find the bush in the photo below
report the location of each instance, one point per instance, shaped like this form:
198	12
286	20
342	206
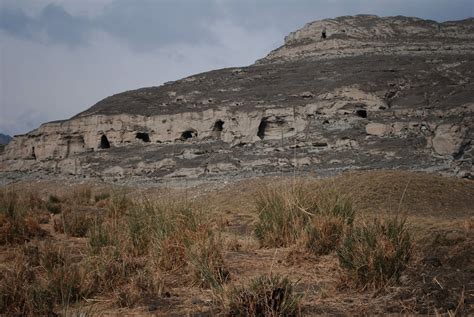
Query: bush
288	214
376	253
267	295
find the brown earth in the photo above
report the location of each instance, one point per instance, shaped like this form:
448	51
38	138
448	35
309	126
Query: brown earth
438	280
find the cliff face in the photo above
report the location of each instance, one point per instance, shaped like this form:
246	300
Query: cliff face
369	93
371	35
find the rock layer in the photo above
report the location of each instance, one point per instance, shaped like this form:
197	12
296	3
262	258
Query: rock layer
374	93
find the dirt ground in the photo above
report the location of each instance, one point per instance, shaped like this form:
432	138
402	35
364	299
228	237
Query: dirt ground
439	278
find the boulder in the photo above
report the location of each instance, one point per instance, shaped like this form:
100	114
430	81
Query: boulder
377	129
448	139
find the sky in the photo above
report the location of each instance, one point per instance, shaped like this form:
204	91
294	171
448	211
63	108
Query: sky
59	57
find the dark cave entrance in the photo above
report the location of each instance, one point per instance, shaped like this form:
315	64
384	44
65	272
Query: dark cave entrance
261	128
217	128
104	142
361	113
143	136
323	34
33	154
188	134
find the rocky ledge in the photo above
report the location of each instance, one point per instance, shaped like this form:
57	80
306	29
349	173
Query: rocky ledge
357	92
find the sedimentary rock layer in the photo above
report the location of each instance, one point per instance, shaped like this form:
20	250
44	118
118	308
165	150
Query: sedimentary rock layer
369	93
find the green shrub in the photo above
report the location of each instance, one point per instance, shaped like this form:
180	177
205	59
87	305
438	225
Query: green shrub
376	253
267	295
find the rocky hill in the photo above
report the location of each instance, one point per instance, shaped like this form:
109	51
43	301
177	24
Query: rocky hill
359	92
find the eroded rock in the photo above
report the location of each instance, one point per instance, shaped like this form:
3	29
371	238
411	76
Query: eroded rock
448	139
375	93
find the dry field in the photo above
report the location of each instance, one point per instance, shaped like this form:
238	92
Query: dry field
360	243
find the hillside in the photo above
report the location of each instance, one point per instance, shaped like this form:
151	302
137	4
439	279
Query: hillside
371	93
332	177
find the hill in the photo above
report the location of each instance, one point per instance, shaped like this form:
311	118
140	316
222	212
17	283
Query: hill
360	92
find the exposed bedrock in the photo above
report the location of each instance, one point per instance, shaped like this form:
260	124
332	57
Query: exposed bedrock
372	93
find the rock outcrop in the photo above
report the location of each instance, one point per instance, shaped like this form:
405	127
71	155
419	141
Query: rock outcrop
371	93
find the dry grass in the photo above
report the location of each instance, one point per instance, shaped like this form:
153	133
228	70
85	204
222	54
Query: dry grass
324	234
283	214
266	295
376	253
18	223
302	213
200	255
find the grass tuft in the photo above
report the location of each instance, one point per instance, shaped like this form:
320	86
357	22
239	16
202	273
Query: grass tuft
208	265
74	223
288	215
376	253
267	295
324	234
17	221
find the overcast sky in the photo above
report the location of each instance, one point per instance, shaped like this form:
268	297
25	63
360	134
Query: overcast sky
59	57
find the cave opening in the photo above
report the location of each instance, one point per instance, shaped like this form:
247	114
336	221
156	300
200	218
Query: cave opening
143	136
361	113
218	126
217	129
188	134
33	154
261	128
104	142
323	34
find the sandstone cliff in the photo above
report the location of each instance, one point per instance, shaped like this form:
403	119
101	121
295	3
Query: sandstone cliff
357	92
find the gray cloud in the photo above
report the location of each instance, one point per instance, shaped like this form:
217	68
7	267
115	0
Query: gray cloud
52	25
59	57
148	24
